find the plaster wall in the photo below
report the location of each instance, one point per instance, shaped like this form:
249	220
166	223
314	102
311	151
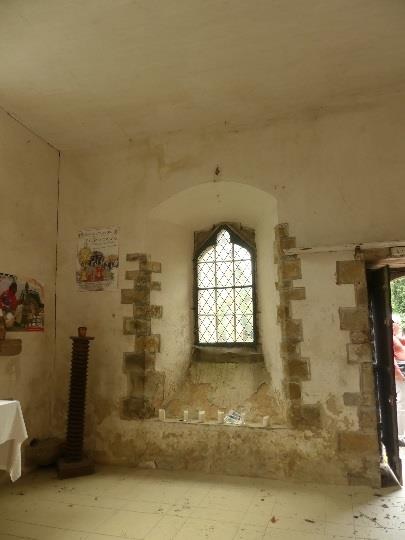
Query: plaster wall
29	179
333	177
324	343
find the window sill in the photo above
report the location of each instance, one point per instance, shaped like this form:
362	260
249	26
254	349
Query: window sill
227	355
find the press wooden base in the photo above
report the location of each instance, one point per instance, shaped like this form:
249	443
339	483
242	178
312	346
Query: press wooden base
70	469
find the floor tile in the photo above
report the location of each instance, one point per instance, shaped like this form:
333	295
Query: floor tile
217	514
250	532
196	529
129	524
120	502
38	532
166	528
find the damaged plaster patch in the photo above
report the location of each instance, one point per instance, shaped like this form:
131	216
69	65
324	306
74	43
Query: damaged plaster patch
213	386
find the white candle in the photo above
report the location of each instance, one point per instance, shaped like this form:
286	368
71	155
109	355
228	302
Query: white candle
265	421
221	415
185	416
162	415
201	416
243	417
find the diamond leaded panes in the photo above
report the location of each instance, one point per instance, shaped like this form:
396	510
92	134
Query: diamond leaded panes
225	293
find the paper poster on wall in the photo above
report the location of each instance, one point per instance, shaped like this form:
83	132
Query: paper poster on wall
22	303
97	259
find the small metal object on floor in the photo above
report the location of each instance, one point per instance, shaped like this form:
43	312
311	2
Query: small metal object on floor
74	462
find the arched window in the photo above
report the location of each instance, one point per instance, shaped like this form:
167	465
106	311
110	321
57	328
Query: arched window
225	294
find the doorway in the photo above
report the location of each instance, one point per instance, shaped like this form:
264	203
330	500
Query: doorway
390	390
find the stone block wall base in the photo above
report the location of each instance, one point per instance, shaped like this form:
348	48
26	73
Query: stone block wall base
306	416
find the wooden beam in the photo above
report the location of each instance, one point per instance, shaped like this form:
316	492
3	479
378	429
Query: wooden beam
345	247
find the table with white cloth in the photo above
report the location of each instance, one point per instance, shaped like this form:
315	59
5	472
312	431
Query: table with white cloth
12	434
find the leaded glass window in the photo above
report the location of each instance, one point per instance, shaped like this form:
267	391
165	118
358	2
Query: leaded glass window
225	298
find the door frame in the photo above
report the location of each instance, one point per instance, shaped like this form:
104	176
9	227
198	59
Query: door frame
380	311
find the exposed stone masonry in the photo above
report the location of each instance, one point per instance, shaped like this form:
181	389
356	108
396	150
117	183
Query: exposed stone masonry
296	368
362	444
145	384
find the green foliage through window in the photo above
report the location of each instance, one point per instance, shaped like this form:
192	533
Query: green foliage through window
398	298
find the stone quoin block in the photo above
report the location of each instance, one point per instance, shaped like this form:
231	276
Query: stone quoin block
289	349
148	312
376	254
359	337
155	267
129	326
288	242
142	296
154	386
142	257
284	293
156	312
367	418
141	312
294	390
368	399
357	442
350	272
150	361
359	353
367	383
283	312
136	383
297	293
143	283
361	294
142	327
298	369
149	344
152	343
135	362
354	318
127	296
290	269
281	231
131	275
306	416
293	330
132	296
351	399
311	416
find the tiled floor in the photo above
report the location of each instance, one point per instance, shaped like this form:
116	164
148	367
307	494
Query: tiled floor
157	505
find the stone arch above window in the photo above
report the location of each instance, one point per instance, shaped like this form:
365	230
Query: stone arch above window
224	287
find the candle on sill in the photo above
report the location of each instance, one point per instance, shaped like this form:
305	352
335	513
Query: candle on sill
221	415
265	422
201	416
243	418
185	416
162	415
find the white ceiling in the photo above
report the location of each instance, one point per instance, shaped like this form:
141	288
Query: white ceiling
84	73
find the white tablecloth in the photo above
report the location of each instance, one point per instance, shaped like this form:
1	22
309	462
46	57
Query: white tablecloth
12	434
